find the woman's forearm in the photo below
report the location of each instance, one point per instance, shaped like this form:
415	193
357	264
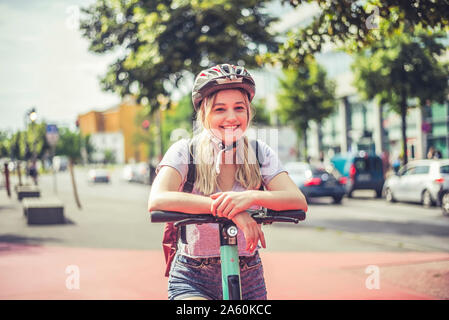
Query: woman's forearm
280	200
180	202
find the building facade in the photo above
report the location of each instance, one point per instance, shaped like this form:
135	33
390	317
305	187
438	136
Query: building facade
356	124
113	132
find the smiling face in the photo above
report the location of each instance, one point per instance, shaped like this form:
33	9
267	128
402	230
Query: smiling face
229	115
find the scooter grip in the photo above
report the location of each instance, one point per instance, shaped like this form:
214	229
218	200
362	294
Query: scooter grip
168	216
297	214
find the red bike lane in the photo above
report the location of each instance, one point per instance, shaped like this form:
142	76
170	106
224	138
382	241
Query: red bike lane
51	272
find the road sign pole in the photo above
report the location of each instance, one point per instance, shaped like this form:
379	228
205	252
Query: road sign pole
52	139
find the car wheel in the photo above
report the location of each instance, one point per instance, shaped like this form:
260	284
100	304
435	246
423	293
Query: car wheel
445	204
389	195
337	199
427	199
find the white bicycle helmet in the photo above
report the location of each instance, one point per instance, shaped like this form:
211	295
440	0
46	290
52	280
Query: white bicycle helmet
219	77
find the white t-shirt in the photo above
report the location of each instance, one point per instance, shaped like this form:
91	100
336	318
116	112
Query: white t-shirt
203	240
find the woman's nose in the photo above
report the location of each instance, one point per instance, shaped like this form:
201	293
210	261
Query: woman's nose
230	115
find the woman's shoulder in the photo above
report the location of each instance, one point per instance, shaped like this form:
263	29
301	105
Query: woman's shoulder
181	146
178	152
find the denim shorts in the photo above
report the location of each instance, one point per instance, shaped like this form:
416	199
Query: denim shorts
201	277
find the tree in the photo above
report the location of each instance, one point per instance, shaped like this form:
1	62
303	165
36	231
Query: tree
35	141
17	153
355	25
401	68
109	156
69	144
305	94
163	41
177	117
4	144
262	116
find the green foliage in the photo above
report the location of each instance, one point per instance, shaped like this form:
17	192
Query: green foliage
305	94
353	25
178	116
15	146
163	41
262	116
4	144
70	144
88	147
25	145
404	65
35	141
109	157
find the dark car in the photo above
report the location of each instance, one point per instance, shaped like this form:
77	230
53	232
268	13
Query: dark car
363	172
315	181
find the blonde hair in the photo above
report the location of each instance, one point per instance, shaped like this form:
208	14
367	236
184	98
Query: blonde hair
248	171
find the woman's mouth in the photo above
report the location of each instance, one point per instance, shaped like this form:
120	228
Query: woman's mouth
233	127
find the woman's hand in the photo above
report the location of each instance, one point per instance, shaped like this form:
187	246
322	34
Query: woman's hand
252	231
228	204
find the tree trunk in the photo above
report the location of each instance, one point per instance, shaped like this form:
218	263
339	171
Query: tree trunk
304	136
75	191
19	175
404	128
7	184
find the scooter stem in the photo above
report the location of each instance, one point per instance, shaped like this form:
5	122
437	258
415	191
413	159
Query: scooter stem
230	268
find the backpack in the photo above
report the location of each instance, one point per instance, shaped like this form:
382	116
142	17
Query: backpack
173	234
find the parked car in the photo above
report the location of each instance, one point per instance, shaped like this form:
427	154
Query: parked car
98	175
443	195
315	181
128	173
138	172
419	181
142	173
60	163
362	172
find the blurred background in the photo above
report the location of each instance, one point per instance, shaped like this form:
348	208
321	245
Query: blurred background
353	96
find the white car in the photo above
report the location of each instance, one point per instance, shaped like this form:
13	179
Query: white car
128	173
98	175
419	181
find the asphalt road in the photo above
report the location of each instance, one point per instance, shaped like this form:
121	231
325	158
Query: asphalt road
115	215
119	253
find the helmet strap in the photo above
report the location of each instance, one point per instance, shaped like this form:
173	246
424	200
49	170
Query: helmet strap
221	147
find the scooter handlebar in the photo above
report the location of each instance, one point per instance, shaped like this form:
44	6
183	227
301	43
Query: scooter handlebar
271	216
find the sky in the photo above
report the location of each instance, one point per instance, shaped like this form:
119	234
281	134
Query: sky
45	63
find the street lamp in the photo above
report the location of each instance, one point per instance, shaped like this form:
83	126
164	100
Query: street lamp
32	115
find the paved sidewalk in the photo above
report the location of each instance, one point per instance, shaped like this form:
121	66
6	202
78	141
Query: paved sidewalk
41	272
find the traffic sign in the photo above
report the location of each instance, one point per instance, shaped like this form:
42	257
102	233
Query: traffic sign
52	134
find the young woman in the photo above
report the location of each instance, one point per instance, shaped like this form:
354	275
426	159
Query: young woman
228	179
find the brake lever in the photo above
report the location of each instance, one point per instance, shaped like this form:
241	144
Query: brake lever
285	219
